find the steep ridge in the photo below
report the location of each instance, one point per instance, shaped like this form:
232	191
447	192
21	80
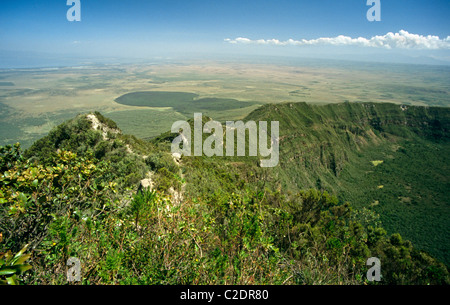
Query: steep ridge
332	147
322	139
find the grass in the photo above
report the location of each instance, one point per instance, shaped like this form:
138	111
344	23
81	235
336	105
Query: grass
183	102
145	123
156	98
376	162
50	93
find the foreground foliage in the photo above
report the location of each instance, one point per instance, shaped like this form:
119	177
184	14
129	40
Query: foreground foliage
13	265
69	208
75	194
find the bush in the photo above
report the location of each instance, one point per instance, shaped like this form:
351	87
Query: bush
33	194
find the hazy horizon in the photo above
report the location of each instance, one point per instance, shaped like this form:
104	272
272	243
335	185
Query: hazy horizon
35	34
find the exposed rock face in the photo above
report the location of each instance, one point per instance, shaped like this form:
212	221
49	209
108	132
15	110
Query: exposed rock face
97	125
177	158
147	182
177	197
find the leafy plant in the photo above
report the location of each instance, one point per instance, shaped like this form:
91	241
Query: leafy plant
12	266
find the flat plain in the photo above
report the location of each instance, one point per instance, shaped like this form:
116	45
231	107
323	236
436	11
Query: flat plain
32	101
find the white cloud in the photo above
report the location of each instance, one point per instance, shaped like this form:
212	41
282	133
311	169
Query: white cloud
402	40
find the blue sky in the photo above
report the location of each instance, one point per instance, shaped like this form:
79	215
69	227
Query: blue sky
157	28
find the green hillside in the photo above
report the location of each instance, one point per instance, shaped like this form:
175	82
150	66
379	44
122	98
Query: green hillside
351	177
332	148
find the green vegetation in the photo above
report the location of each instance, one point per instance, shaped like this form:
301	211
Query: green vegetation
311	220
413	200
377	162
427	94
185	103
156	99
146	123
220	238
11	266
332	148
